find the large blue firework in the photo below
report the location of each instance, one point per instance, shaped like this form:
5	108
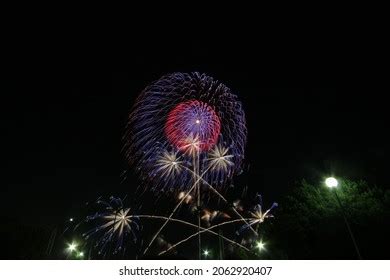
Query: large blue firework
183	121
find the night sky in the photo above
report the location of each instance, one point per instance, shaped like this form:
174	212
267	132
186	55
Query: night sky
64	114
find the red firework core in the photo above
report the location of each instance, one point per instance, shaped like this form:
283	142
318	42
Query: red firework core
192	124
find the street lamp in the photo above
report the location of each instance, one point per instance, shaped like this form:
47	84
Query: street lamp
332	183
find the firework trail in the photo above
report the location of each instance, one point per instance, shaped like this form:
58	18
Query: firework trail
184	197
208	230
257	217
224	200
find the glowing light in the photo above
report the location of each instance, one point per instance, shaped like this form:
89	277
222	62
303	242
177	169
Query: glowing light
197	121
188	198
81	254
72	247
71	220
260	245
331	182
206	253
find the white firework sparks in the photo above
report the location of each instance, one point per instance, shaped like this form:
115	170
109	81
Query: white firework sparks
118	222
219	158
112	227
259	216
169	164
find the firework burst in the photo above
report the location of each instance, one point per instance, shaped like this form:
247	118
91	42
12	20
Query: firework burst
189	116
169	164
113	227
257	215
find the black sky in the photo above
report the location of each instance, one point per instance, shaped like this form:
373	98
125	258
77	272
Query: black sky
64	113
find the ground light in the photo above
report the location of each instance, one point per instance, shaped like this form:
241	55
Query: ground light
72	247
260	245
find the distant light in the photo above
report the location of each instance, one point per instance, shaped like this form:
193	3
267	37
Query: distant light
72	247
197	121
206	253
260	245
331	182
81	254
71	220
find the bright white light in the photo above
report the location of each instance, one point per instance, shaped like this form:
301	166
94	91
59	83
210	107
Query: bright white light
260	245
71	220
81	254
197	121
72	247
206	253
331	182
